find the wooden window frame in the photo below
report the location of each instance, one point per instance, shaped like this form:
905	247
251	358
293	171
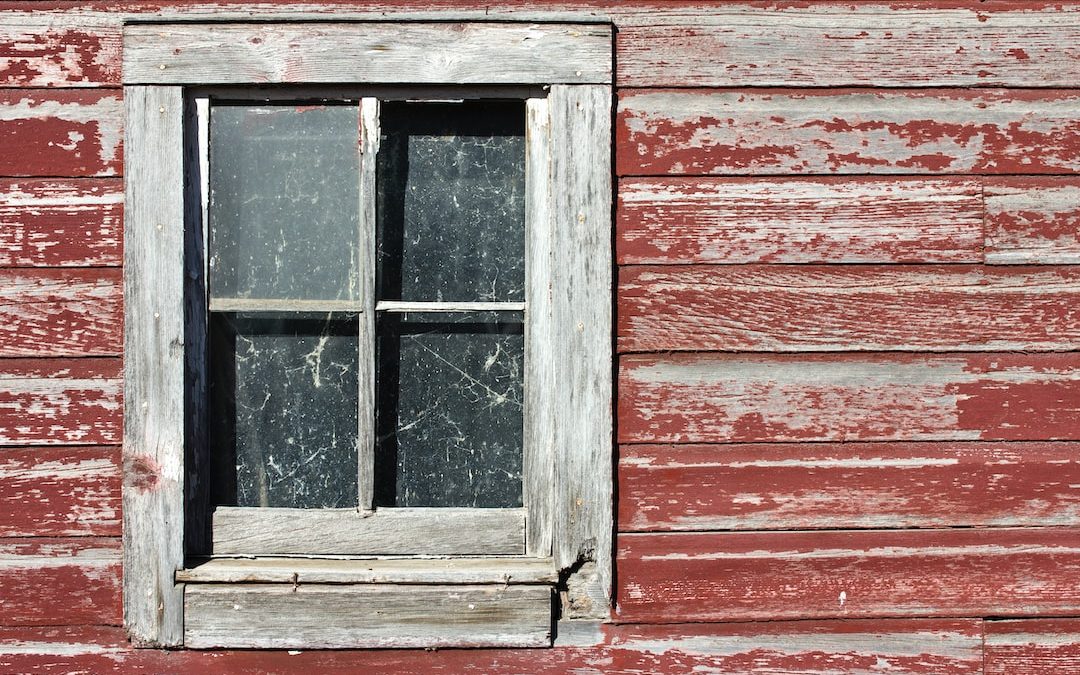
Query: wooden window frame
368	595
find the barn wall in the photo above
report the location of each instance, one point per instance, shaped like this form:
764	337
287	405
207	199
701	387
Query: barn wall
848	377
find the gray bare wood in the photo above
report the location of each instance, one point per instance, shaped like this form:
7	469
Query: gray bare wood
365	400
538	461
373	571
400	306
285	616
276	305
417	53
153	491
387	531
581	288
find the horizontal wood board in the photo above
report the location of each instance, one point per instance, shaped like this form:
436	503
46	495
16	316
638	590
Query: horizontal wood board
793	486
1032	646
59	312
60	401
373	571
61	223
58	582
1032	220
61	133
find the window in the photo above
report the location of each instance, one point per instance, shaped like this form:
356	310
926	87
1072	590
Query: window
368	333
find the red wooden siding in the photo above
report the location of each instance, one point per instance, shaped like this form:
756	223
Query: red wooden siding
42	50
60	582
1033	220
1032	647
60	133
61	312
60	401
61	222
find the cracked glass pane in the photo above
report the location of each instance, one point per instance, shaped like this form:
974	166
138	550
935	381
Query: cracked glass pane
284	201
451	201
283	406
449	419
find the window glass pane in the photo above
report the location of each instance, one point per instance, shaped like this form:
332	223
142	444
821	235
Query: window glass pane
449	421
451	201
283	409
284	201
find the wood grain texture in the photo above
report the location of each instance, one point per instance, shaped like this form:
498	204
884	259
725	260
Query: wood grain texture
868	44
154	375
57	582
60	223
56	492
1032	646
718	131
390	531
801	308
1033	221
60	401
869	573
764	486
335	616
58	50
60	133
836	397
57	312
676	221
415	53
373	571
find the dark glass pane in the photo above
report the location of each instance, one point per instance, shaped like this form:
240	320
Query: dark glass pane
284	202
451	202
283	409
449	421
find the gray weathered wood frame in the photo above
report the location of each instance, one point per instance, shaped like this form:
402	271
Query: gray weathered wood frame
568	460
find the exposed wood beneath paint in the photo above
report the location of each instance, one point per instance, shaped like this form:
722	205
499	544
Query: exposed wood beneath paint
315	616
836	397
723	131
60	401
59	49
835	574
794	308
792	486
1032	646
1033	221
60	133
373	571
392	531
60	223
56	492
682	221
57	312
414	53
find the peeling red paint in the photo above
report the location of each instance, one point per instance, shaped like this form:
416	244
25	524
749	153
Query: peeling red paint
142	473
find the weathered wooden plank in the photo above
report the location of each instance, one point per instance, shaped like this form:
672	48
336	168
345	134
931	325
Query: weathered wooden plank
59	50
59	312
832	44
803	308
1032	221
866	573
154	375
701	132
851	220
909	647
60	133
391	531
312	616
60	223
59	401
1032	646
580	287
373	571
57	582
719	398
56	492
416	53
792	486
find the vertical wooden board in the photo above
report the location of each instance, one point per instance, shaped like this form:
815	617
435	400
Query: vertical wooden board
60	401
688	577
835	397
56	492
56	312
720	131
60	133
56	582
833	44
848	308
581	287
1032	221
792	486
60	223
675	221
1032	647
57	49
154	377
